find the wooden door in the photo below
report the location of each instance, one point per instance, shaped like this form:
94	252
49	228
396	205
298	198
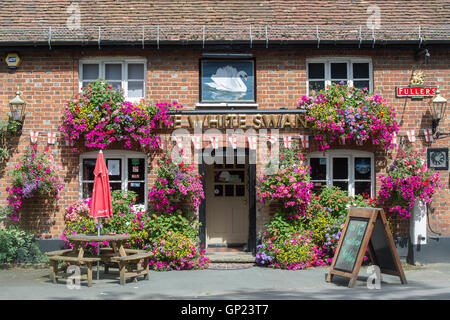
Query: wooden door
227	209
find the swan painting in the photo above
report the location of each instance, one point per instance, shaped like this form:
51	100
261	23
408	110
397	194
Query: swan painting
227	81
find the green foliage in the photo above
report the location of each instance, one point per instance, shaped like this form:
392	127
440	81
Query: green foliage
177	251
18	246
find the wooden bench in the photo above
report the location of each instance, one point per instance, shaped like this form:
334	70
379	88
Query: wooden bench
129	265
55	272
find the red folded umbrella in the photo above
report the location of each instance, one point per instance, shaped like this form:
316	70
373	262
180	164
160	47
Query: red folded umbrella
101	205
101	196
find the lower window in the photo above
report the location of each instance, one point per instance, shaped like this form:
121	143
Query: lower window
126	171
351	171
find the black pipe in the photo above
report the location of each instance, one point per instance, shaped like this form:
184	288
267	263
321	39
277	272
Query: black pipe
237	111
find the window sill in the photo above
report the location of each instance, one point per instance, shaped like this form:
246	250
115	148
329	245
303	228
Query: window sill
226	105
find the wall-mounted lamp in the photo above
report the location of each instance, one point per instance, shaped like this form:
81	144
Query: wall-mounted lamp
438	106
17	106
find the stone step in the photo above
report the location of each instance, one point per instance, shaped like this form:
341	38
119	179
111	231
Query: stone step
231	257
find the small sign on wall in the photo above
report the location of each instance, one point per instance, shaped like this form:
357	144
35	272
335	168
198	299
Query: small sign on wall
416	92
437	158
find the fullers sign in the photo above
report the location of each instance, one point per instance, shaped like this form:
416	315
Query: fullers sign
415	91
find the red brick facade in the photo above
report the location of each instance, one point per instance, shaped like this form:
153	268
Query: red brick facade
49	78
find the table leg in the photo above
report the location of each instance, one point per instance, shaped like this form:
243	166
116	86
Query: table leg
53	270
147	269
89	273
122	273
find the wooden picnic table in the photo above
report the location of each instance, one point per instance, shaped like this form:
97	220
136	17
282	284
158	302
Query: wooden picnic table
127	259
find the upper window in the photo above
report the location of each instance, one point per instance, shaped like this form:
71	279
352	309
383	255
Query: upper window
128	75
354	72
350	170
231	80
126	171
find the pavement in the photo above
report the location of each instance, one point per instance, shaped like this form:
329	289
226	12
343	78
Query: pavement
251	283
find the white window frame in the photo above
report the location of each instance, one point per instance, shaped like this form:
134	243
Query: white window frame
116	154
351	155
349	60
122	61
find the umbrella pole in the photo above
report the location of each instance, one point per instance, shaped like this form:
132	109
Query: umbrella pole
98	252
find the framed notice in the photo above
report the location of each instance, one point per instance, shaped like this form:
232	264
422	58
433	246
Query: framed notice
113	167
437	158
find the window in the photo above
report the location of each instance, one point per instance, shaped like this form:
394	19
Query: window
126	171
349	170
128	75
354	72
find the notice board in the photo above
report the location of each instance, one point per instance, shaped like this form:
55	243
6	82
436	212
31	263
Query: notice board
365	228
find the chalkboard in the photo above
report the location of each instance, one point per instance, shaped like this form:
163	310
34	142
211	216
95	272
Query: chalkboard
381	250
365	229
351	244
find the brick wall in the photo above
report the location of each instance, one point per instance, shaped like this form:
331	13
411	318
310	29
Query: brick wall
49	79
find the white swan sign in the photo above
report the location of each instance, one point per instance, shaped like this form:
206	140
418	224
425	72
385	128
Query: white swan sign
227	81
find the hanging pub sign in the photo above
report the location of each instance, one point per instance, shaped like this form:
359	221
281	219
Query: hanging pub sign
365	228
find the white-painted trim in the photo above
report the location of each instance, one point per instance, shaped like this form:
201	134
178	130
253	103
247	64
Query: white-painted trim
351	154
124	61
124	155
225	104
327	60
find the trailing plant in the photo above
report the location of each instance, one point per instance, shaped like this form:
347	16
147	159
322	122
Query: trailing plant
342	113
35	175
407	180
177	187
101	116
290	185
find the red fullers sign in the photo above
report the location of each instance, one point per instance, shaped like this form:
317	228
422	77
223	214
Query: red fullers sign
415	91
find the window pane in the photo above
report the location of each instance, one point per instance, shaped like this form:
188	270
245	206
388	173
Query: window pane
87	189
138	187
316	85
113	186
240	190
339	71
85	84
113	72
362	169
90	71
114	169
317	186
318	168
341	184
340	168
116	85
218	190
316	70
88	169
136	169
362	188
229	190
136	71
360	71
361	84
135	89
339	81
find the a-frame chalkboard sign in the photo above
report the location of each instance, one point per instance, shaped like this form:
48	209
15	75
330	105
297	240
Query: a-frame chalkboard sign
365	228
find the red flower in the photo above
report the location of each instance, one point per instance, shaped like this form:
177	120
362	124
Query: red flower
110	131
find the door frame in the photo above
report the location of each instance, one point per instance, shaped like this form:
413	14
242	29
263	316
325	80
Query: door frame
251	154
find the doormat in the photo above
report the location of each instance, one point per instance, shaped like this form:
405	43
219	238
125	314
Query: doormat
230	266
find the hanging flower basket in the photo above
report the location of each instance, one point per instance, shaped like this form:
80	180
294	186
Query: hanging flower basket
341	113
101	116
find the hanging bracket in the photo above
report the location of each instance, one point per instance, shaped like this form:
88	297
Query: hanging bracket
420	37
317	36
99	37
267	38
49	37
